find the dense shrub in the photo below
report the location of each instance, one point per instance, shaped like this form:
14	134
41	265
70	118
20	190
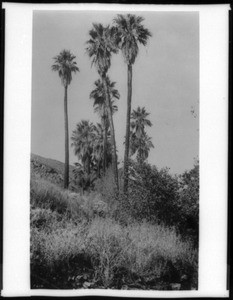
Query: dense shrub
189	202
55	254
139	255
153	194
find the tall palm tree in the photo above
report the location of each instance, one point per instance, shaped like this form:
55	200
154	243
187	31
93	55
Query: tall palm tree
100	47
130	33
100	107
65	65
82	140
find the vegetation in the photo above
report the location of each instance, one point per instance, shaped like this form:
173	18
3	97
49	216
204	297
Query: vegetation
130	33
100	107
100	48
64	64
92	242
140	142
134	227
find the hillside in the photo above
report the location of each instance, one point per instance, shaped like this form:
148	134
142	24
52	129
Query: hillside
50	169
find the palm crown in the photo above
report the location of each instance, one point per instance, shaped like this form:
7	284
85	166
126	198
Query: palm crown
82	140
64	64
101	46
130	32
139	121
98	95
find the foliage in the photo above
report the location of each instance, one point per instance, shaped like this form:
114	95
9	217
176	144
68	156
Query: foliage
104	254
140	142
100	48
130	32
64	64
152	194
189	201
82	140
98	95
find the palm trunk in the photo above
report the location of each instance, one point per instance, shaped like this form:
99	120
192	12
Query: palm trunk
111	125
105	147
66	171
126	158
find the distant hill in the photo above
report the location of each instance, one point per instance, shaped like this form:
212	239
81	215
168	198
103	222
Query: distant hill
50	169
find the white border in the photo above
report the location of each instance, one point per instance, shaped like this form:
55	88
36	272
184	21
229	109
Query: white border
213	149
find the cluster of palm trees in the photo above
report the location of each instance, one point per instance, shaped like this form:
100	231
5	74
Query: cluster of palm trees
125	34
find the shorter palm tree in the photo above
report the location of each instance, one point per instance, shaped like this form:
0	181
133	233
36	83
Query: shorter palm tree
100	48
82	140
141	146
140	142
139	121
100	107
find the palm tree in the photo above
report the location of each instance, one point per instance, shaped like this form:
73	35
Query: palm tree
98	148
98	95
130	33
100	48
82	140
140	142
139	121
64	64
141	146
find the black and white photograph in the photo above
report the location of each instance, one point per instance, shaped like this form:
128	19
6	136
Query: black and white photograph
114	188
115	150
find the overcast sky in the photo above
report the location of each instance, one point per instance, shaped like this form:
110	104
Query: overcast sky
165	81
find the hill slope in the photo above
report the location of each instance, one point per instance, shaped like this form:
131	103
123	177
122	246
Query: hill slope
50	169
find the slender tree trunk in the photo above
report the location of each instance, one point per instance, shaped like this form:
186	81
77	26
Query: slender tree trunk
66	171
105	146
126	158
111	125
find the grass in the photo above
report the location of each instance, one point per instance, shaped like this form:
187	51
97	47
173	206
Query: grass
76	243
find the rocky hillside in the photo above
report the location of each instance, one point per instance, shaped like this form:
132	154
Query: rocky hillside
50	169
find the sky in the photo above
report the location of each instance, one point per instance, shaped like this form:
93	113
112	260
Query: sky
165	82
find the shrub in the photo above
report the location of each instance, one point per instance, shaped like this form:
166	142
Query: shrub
56	255
153	194
138	255
106	186
189	202
45	219
138	252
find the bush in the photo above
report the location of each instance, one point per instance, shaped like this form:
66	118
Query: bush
55	255
153	194
189	202
111	256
